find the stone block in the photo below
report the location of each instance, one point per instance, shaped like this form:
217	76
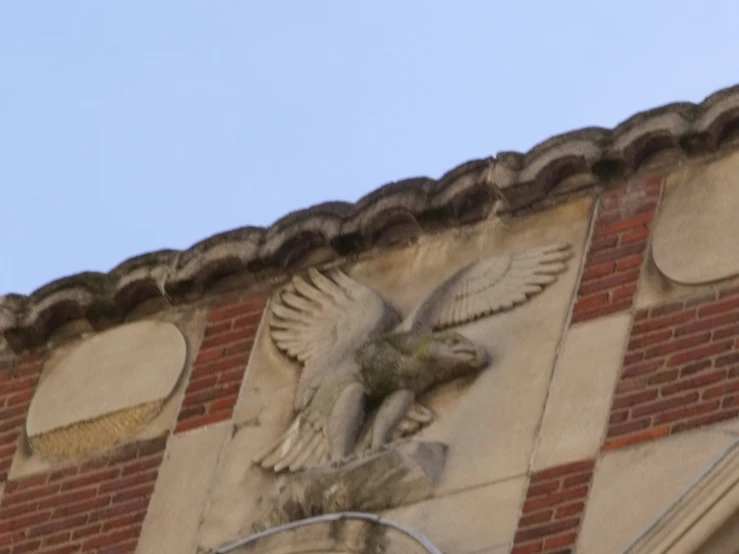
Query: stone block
181	492
472	521
633	487
579	401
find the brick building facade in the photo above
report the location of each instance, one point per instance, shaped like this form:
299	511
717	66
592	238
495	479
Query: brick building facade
606	422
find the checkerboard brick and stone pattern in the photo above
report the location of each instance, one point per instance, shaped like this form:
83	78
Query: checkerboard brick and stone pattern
553	509
18	379
617	250
96	507
681	369
219	367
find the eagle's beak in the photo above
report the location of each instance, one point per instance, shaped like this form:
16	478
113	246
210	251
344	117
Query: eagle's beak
471	353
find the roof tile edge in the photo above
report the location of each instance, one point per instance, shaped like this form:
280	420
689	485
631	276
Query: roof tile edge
510	182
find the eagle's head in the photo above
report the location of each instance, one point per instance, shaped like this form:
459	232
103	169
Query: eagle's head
417	361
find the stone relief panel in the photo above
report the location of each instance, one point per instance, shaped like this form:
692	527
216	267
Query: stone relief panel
420	372
694	242
108	389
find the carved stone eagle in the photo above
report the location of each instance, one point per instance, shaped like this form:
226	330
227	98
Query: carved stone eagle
357	353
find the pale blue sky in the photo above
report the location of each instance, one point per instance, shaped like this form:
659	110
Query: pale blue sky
127	127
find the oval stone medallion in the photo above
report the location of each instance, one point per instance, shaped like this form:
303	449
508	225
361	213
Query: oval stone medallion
106	389
697	235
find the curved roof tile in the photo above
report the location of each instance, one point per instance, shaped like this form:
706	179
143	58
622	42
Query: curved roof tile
397	211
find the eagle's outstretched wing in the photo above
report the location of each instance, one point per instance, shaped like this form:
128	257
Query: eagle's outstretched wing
488	286
321	322
317	321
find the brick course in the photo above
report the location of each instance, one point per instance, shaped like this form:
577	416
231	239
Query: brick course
553	509
219	367
95	507
18	379
616	252
681	369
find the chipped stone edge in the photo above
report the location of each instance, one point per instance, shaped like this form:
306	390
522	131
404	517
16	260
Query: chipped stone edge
510	183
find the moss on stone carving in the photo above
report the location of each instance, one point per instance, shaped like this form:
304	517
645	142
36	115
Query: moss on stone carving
375	541
102	307
415	361
396	475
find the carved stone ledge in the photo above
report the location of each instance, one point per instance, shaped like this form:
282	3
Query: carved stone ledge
400	474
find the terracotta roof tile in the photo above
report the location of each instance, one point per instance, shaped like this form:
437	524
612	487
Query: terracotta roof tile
509	182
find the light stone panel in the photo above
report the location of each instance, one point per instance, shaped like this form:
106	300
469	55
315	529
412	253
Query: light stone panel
502	549
633	487
128	370
731	426
479	520
579	402
695	238
181	492
655	289
238	494
654	286
489	422
724	541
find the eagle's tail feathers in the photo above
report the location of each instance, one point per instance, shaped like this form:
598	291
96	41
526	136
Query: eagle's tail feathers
300	446
281	447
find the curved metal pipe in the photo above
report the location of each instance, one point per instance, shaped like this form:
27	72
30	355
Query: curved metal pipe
419	537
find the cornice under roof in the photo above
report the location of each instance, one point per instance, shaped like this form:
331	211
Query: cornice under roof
509	183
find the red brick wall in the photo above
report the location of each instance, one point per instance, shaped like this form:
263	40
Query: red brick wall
219	367
18	379
681	369
553	509
99	506
96	507
616	252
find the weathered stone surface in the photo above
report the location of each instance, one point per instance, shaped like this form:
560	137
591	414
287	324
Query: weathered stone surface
181	492
654	288
577	410
640	483
695	236
241	491
400	474
343	534
701	516
731	427
506	399
477	520
504	403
